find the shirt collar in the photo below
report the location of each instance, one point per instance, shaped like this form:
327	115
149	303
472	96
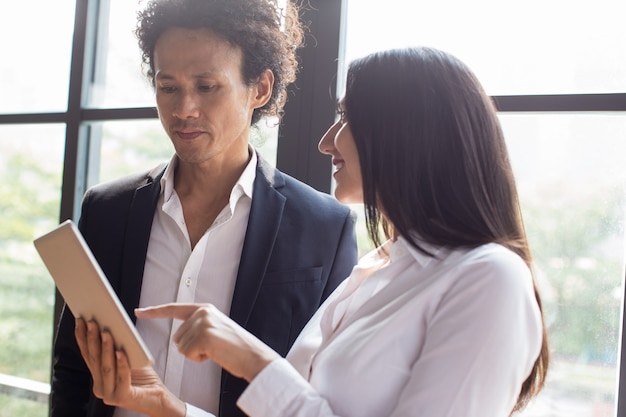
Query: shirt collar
167	180
243	186
245	183
402	247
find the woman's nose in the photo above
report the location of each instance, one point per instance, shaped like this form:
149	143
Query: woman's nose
327	143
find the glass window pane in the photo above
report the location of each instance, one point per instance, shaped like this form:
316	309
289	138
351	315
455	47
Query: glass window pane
131	146
31	170
36	45
264	137
572	182
119	78
515	48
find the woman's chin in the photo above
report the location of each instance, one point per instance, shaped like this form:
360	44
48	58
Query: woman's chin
348	198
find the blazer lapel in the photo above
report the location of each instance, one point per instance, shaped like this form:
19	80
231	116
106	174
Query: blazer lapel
136	241
265	216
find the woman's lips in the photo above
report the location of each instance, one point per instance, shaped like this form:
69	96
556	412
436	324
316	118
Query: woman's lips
338	163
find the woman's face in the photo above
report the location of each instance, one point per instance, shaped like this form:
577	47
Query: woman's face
338	142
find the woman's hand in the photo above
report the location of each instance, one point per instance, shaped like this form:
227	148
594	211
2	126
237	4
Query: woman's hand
207	333
115	383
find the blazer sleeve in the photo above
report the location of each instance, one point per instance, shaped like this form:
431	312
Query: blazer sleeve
104	213
71	380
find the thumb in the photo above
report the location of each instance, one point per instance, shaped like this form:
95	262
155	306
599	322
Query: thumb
167	311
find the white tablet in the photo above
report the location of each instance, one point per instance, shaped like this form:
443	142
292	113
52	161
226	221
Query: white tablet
87	291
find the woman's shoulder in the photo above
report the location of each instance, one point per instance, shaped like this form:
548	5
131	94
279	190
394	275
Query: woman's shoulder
494	267
496	257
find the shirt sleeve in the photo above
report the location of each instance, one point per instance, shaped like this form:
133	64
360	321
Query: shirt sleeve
279	390
196	412
483	339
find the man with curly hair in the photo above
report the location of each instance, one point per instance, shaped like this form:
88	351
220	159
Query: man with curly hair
217	224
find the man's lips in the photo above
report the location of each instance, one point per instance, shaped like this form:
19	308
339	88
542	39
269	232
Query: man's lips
188	134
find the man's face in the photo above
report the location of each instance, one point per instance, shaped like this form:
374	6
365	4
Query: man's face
203	103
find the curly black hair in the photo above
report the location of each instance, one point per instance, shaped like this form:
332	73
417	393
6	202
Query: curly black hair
267	34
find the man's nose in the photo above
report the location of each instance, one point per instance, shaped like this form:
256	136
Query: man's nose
187	106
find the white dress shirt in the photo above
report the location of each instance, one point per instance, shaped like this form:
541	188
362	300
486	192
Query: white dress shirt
176	273
453	335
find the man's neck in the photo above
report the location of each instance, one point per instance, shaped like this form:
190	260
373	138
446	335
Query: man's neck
204	192
210	178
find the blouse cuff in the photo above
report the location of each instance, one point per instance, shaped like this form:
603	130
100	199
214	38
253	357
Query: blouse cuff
193	411
272	390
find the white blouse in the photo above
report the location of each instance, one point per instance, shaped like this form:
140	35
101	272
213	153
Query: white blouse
453	335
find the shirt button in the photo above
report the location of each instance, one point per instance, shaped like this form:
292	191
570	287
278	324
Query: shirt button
188	282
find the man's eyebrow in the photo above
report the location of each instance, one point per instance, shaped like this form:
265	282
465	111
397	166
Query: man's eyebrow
214	75
166	76
161	75
205	74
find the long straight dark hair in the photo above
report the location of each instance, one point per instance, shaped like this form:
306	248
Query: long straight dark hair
434	161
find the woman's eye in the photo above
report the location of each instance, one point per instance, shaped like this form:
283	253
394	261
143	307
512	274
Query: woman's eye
341	112
206	88
342	117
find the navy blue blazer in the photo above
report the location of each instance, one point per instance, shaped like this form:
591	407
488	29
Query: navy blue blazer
299	245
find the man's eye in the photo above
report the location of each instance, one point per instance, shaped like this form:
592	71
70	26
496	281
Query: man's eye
167	89
206	88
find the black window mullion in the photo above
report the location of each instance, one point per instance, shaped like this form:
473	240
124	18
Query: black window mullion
310	108
76	135
562	103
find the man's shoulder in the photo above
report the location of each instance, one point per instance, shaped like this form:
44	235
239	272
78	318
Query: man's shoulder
127	183
303	195
295	185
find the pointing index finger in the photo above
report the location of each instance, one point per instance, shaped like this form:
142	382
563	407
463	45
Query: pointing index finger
165	311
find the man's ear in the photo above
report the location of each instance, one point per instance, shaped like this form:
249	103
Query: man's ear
263	88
